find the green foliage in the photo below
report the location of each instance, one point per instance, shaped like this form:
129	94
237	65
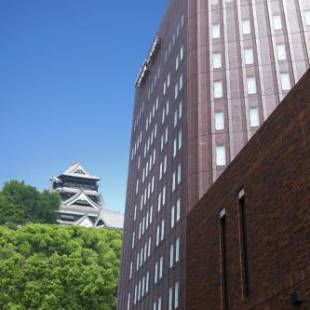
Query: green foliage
21	203
51	267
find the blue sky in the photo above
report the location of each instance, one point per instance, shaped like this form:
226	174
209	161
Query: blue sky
67	73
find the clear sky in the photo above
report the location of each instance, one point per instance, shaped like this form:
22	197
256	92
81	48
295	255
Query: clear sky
67	73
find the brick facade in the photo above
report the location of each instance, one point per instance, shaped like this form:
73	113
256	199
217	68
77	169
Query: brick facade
274	171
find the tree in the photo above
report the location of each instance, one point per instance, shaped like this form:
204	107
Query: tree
21	203
56	267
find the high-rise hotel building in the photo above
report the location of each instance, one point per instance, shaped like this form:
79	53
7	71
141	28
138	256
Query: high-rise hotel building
215	71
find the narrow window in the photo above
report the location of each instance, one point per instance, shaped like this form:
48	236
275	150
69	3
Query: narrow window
179	176
248	56
181	82
177	250
178	210
128	302
216	31
281	52
156	273
217	60
172	216
161	263
171	257
251	85
219	120
218	89
220	155
223	258
170	298
307	17
176	295
159	303
277	23
285	81
254	118
246	26
181	52
244	244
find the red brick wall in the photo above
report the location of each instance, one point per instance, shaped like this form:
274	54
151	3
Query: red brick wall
274	169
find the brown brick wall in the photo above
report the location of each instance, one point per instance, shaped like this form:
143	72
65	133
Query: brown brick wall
274	169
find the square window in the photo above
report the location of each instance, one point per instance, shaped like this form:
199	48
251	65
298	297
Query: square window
216	31
251	85
218	89
217	60
220	155
277	22
246	26
248	56
219	120
307	17
254	117
281	52
285	81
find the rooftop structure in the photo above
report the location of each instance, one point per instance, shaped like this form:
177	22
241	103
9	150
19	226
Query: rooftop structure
81	202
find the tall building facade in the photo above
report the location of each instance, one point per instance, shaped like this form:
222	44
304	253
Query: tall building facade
81	202
215	72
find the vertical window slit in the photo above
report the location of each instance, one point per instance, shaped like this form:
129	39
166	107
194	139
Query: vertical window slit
244	244
224	259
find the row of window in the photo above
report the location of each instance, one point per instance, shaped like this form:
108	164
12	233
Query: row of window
143	255
276	24
219	119
141	288
248	56
251	85
175	35
145	251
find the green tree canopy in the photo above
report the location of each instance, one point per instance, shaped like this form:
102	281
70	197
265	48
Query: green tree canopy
52	267
21	203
